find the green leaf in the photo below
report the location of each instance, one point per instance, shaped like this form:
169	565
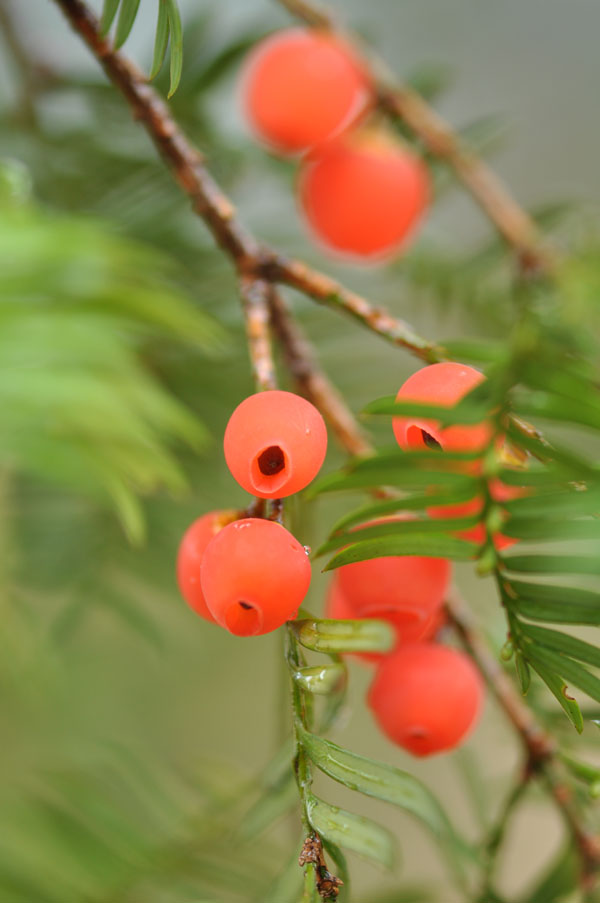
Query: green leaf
558	688
563	643
436	545
127	14
415	478
109	10
568	669
568	503
564	410
565	459
384	782
467	412
162	38
176	45
553	564
354	832
413	528
344	636
320	679
419	502
563	605
536	528
523	672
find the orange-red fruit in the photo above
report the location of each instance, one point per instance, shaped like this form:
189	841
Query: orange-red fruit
408	629
444	385
189	558
426	698
302	86
363	194
275	443
403	589
254	576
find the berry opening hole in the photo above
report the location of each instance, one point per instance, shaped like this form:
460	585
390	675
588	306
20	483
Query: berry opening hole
270	471
271	461
418	438
243	619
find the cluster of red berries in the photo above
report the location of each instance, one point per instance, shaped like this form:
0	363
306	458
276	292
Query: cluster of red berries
362	192
249	574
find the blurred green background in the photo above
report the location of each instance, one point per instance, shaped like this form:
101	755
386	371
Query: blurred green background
134	736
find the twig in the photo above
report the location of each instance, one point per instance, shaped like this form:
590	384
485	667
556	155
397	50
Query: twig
400	101
325	290
539	746
254	294
312	381
246	253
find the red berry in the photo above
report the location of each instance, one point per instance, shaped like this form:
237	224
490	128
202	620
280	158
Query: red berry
444	385
426	698
275	443
301	86
363	194
254	576
191	550
408	629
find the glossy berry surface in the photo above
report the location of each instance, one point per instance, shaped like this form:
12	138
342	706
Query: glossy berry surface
275	443
408	629
445	385
426	698
363	195
302	86
405	590
254	576
190	554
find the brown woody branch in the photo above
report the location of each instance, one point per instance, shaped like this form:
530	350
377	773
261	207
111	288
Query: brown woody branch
255	302
539	745
399	101
311	380
187	164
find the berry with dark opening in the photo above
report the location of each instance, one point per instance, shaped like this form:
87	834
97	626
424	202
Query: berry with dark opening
444	385
190	554
275	443
426	698
363	194
300	87
254	576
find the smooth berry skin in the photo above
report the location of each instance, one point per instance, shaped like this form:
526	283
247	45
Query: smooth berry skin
275	443
363	195
300	87
445	385
190	554
426	698
407	629
254	576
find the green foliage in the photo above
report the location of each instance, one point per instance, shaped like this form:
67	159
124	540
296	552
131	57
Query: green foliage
168	27
79	408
